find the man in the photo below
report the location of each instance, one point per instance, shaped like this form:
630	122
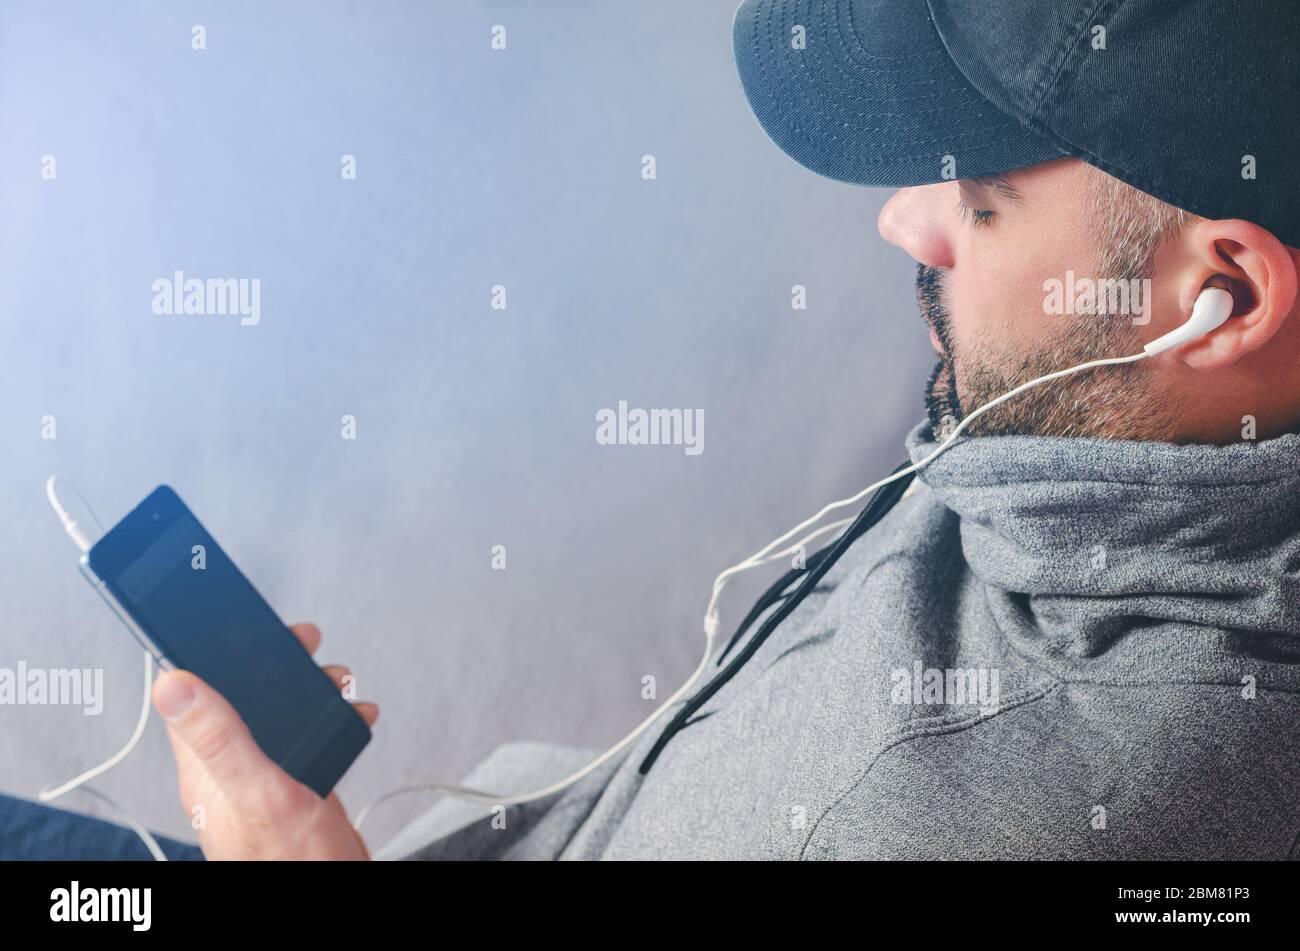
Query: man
1079	636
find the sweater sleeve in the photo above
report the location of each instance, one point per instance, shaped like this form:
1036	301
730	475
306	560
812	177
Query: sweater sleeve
457	829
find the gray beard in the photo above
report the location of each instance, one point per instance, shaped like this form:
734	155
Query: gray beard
1115	402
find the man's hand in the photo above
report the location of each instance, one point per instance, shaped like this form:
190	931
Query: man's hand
251	808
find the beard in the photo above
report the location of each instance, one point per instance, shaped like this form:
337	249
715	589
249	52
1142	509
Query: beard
1114	402
942	405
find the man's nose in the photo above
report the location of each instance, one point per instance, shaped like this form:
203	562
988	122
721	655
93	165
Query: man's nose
919	220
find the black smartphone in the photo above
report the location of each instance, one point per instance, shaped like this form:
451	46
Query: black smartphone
188	604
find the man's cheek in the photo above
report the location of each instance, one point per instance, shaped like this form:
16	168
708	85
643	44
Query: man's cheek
964	317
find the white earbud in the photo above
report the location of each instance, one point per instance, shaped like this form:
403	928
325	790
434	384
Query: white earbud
1213	306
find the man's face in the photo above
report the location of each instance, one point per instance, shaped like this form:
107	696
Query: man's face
986	248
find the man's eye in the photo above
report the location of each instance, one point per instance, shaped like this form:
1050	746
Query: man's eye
976	216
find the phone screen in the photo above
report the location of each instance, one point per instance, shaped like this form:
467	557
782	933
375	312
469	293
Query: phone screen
170	575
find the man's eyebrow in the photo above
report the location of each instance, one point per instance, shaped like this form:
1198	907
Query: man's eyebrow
999	184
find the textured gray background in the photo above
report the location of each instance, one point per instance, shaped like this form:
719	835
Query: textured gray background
476	427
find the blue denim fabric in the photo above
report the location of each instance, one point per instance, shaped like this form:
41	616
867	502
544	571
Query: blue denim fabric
32	831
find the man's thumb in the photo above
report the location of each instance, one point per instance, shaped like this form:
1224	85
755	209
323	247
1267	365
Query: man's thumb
208	725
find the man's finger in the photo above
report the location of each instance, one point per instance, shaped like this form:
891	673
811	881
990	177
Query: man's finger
309	634
369	711
336	673
186	767
202	720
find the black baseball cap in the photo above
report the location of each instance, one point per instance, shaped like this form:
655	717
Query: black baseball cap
1192	101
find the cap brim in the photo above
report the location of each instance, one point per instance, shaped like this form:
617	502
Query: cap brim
871	96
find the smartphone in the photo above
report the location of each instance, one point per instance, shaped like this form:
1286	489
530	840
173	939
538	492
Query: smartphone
185	601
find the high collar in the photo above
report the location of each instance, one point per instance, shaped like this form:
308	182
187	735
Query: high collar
1135	550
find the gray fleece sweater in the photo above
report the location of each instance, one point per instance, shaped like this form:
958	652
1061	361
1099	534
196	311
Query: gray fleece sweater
1055	648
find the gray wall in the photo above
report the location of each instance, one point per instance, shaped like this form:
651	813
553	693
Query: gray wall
476	427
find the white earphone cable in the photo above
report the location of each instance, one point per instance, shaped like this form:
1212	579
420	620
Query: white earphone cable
762	556
1218	306
50	793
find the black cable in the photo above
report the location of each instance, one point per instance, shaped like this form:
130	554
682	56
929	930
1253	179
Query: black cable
771	596
882	500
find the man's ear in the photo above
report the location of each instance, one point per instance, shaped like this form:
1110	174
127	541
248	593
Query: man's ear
1262	273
